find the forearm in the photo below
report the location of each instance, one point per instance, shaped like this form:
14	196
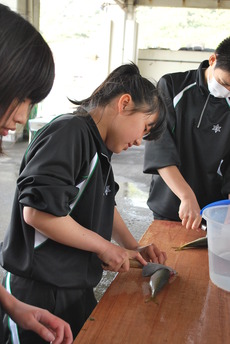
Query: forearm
7	300
121	233
65	230
189	210
176	182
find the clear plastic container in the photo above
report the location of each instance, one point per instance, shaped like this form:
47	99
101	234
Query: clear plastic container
218	233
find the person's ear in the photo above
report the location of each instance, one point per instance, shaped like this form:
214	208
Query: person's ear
123	102
212	60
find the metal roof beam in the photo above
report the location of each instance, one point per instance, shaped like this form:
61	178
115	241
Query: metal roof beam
220	4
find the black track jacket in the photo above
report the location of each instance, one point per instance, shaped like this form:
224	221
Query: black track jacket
66	170
197	141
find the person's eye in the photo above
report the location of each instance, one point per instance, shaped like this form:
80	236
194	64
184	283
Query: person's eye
222	83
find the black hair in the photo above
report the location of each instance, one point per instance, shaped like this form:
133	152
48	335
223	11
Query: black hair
145	95
26	61
222	53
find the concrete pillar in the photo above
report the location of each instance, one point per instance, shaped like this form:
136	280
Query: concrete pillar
30	10
123	35
130	33
130	50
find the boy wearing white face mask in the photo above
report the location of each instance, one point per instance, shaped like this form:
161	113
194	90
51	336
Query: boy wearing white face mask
190	164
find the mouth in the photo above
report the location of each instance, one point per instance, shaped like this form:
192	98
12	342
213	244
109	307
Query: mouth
5	131
128	145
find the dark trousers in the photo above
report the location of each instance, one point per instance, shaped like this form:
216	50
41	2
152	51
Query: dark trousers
71	304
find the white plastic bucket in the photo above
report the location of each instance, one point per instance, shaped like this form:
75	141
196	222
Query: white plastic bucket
218	233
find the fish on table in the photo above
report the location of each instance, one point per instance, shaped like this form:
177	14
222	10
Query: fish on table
160	275
198	243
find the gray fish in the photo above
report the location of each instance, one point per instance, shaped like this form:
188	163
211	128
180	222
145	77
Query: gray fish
151	268
198	243
158	281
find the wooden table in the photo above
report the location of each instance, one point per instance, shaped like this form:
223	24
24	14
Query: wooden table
190	310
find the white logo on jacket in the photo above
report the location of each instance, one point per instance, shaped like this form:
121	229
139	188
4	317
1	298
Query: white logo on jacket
216	128
107	190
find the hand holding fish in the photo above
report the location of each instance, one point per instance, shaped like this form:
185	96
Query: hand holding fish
116	258
152	254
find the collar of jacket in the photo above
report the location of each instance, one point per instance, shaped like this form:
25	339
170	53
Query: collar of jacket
200	79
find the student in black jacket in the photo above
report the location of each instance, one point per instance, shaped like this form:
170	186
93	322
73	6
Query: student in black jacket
190	164
64	214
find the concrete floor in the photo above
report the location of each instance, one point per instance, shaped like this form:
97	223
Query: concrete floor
131	198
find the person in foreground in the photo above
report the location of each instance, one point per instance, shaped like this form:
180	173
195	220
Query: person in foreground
46	325
26	77
64	214
190	164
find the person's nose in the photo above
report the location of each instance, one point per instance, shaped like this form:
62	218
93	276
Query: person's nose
21	117
138	142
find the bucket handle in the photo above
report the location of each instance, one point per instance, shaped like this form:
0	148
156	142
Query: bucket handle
222	202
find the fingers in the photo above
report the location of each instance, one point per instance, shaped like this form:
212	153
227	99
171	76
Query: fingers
153	254
121	267
163	257
124	267
189	213
52	328
121	263
117	264
63	335
124	264
192	222
136	255
157	256
42	331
